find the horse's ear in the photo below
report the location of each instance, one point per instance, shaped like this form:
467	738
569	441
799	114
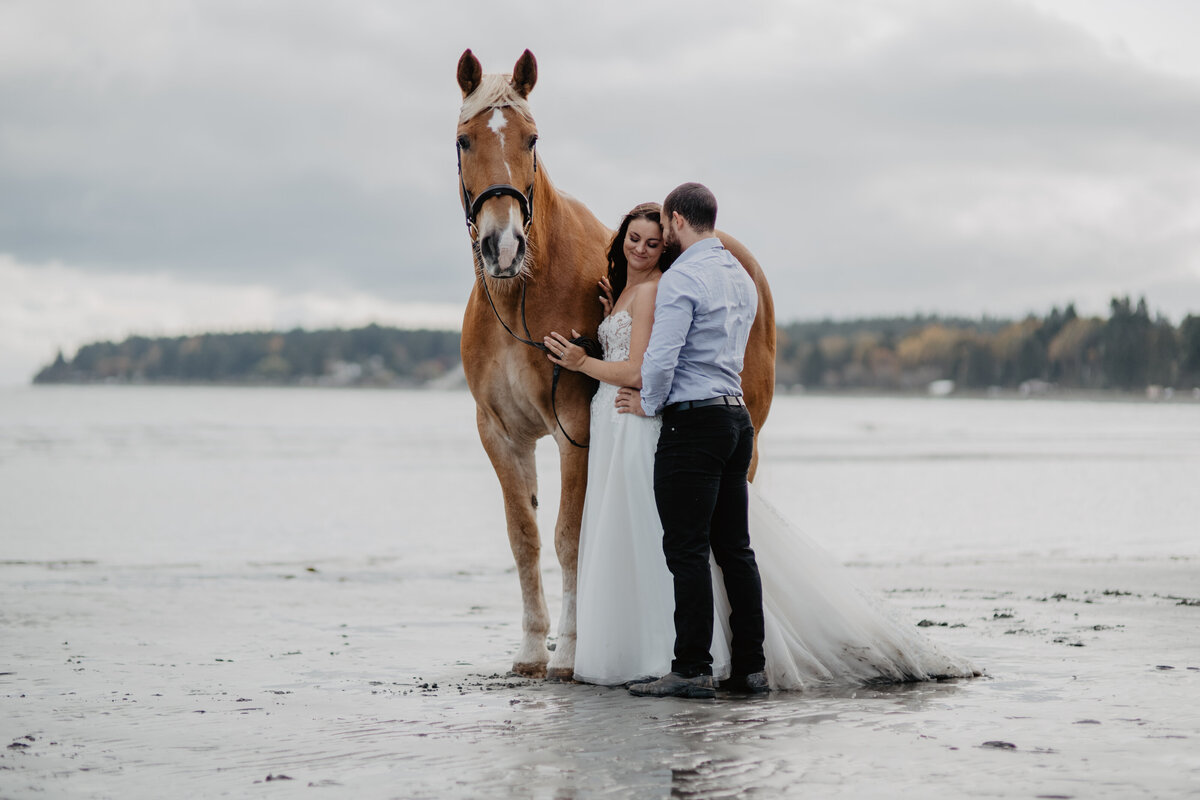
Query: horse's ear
470	73
525	74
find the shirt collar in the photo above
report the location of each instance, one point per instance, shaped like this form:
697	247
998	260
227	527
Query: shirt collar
711	243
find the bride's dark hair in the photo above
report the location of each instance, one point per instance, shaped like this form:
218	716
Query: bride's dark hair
618	265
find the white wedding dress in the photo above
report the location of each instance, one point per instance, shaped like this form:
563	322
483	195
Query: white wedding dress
820	627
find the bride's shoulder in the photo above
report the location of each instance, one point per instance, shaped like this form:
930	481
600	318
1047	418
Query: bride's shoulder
641	306
645	292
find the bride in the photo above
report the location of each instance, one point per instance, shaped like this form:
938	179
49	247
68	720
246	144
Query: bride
820	628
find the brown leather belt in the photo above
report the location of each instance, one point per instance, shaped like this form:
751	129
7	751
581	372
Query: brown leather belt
723	400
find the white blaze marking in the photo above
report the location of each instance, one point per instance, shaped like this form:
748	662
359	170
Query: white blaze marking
496	124
507	248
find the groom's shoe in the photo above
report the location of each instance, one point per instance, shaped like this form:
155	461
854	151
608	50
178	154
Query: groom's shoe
675	685
754	683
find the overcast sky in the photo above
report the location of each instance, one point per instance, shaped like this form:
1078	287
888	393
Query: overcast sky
187	165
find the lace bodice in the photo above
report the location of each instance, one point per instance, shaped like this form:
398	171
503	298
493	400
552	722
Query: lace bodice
616	331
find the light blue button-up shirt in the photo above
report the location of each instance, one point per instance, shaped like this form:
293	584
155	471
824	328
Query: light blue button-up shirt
703	311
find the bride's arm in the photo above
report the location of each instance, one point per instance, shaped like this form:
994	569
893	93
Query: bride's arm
618	373
642	311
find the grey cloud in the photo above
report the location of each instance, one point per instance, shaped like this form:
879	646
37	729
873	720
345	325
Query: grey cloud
878	157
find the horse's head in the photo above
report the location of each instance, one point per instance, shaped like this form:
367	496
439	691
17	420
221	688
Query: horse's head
497	162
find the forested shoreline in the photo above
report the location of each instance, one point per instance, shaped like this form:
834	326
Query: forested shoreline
1129	350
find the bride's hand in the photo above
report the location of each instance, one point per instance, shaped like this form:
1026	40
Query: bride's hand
563	353
606	299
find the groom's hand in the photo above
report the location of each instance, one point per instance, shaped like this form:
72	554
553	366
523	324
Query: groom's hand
629	401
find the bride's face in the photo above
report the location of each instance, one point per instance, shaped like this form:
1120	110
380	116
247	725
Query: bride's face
643	245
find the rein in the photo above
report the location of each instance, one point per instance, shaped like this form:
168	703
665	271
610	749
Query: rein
590	346
525	200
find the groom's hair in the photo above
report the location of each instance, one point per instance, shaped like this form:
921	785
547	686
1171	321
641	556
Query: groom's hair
695	203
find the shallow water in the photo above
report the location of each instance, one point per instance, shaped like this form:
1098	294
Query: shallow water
147	475
204	587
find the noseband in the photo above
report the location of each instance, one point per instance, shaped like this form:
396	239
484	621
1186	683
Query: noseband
471	207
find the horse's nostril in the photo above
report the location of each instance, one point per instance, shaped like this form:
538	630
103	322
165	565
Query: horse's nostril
488	247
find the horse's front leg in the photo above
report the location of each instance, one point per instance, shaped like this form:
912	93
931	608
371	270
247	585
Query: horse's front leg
573	462
515	467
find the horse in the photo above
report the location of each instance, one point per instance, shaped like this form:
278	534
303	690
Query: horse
538	255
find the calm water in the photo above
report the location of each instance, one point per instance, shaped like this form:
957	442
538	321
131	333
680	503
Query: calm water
196	475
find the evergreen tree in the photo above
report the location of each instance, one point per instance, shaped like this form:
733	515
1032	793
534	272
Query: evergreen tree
1189	351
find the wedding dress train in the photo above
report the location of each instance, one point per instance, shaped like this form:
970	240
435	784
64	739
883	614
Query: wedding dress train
820	627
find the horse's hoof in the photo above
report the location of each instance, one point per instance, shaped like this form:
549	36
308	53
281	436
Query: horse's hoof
560	674
530	670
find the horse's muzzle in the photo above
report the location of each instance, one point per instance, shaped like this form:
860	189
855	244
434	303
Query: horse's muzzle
502	256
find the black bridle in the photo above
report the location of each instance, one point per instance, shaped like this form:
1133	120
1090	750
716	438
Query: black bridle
525	201
471	207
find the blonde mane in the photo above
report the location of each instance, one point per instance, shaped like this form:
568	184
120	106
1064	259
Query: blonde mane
494	91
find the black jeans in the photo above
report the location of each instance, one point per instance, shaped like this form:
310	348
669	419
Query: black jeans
701	493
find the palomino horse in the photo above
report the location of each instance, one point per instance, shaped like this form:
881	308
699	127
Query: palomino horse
538	256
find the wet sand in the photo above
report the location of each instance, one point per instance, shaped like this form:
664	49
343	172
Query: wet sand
203	589
366	678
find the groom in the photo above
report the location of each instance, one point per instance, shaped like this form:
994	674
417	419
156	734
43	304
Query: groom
702	316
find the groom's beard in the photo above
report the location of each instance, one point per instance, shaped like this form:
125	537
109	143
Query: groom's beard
670	252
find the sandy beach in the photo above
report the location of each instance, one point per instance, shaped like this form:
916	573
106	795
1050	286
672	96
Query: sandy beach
345	671
347	676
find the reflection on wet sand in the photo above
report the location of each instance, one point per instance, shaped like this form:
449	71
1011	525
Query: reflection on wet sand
571	740
210	681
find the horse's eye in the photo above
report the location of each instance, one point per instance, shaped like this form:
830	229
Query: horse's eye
532	141
464	142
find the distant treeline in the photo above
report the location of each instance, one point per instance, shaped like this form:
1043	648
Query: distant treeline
1130	350
370	356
